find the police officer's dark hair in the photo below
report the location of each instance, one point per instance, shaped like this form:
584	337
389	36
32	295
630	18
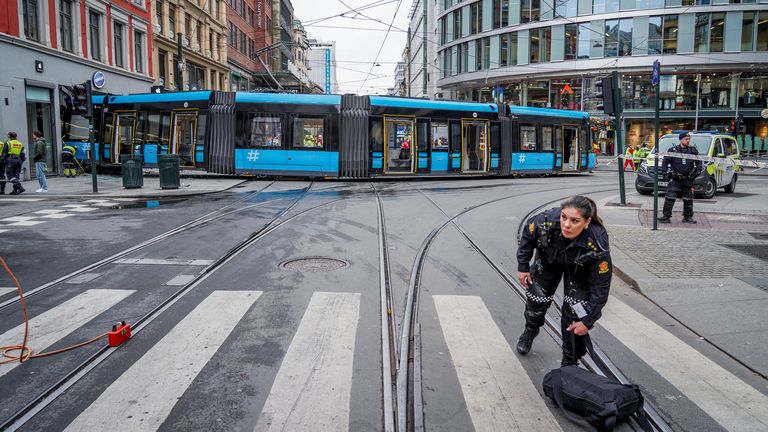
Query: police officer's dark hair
12	135
585	206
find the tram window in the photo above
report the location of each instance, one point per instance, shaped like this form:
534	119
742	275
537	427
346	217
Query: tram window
546	138
152	131
201	118
377	135
422	135
527	137
439	136
266	131
308	133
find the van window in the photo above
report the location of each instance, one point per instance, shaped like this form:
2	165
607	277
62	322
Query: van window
700	142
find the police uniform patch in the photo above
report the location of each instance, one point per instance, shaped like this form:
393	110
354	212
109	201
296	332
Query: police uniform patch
603	267
531	227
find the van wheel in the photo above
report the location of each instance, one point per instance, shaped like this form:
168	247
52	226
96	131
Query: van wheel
710	188
732	186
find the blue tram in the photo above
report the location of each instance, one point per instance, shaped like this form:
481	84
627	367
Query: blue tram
341	136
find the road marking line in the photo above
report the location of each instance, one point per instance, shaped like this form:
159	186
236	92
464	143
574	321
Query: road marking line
58	216
74	205
82	209
176	261
2	231
6	290
50	211
54	324
21	199
180	280
142	397
26	223
726	398
497	389
83	278
18	219
312	388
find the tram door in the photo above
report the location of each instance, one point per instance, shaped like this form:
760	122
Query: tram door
184	136
125	124
400	149
571	148
475	151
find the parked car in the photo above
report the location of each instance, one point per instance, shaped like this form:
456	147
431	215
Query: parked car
714	176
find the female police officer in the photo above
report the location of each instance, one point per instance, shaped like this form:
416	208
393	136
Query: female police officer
569	241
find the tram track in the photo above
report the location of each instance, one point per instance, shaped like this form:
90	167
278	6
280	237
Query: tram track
45	398
601	364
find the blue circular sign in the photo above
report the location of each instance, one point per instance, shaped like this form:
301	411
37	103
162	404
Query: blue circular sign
99	79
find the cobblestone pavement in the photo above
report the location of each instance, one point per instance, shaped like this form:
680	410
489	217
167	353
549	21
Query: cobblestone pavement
685	253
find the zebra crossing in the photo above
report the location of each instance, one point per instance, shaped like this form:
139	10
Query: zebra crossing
313	384
61	212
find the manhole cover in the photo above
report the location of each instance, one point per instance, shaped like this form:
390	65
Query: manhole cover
314	264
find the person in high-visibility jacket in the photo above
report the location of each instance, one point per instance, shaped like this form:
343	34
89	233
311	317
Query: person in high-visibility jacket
13	153
628	157
68	160
640	155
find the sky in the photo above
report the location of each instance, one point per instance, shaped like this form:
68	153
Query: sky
366	55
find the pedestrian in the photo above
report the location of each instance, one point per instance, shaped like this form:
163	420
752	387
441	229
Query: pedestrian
628	157
3	156
571	243
680	174
13	153
68	160
39	159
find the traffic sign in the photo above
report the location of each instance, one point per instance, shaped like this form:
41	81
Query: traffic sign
99	79
655	75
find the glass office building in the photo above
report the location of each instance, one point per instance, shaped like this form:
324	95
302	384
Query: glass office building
551	53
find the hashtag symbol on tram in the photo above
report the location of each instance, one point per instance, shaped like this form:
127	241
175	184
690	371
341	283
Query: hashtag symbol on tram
253	156
521	159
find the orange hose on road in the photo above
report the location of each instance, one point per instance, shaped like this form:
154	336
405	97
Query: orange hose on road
25	352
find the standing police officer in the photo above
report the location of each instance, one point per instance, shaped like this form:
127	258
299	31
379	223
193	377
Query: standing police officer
680	173
14	155
3	156
569	241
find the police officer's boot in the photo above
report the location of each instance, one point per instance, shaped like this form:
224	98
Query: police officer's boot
2	188
667	211
688	212
525	341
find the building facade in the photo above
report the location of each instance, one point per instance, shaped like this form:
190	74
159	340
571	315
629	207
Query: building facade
713	54
422	49
202	25
322	65
48	47
400	88
249	23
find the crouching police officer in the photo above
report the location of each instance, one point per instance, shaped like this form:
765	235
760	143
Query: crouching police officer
13	153
569	241
680	173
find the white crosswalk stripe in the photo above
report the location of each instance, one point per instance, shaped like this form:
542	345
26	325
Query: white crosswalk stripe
52	325
498	392
730	401
312	388
6	290
142	397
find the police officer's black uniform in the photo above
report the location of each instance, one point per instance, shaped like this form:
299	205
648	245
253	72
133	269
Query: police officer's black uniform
3	156
586	264
680	173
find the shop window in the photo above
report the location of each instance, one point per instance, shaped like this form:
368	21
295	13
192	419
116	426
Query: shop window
654	35
753	92
762	32
715	92
637	92
536	94
565	94
266	131
308	133
527	138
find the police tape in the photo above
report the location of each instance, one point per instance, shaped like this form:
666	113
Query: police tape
728	160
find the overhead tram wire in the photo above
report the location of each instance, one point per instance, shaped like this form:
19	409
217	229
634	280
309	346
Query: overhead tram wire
394	16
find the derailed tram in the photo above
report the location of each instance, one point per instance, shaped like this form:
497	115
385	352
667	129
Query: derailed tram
340	136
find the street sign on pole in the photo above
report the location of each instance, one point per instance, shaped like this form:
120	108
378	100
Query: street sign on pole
655	74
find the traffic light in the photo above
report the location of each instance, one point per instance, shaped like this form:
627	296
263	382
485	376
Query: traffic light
605	92
79	99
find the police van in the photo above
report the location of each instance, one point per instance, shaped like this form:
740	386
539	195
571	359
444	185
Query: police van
715	175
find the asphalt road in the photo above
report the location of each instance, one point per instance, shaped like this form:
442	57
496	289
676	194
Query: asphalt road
233	336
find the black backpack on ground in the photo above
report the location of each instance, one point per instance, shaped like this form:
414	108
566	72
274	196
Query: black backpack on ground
585	396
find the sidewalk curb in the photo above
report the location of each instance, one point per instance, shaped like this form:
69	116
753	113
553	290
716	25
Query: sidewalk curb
624	268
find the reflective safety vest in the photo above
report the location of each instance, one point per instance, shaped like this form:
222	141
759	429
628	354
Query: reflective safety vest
69	149
15	147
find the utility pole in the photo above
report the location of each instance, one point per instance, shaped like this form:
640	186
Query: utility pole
179	64
91	145
656	78
617	127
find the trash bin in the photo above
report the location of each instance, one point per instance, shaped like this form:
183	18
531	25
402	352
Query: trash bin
133	177
169	171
